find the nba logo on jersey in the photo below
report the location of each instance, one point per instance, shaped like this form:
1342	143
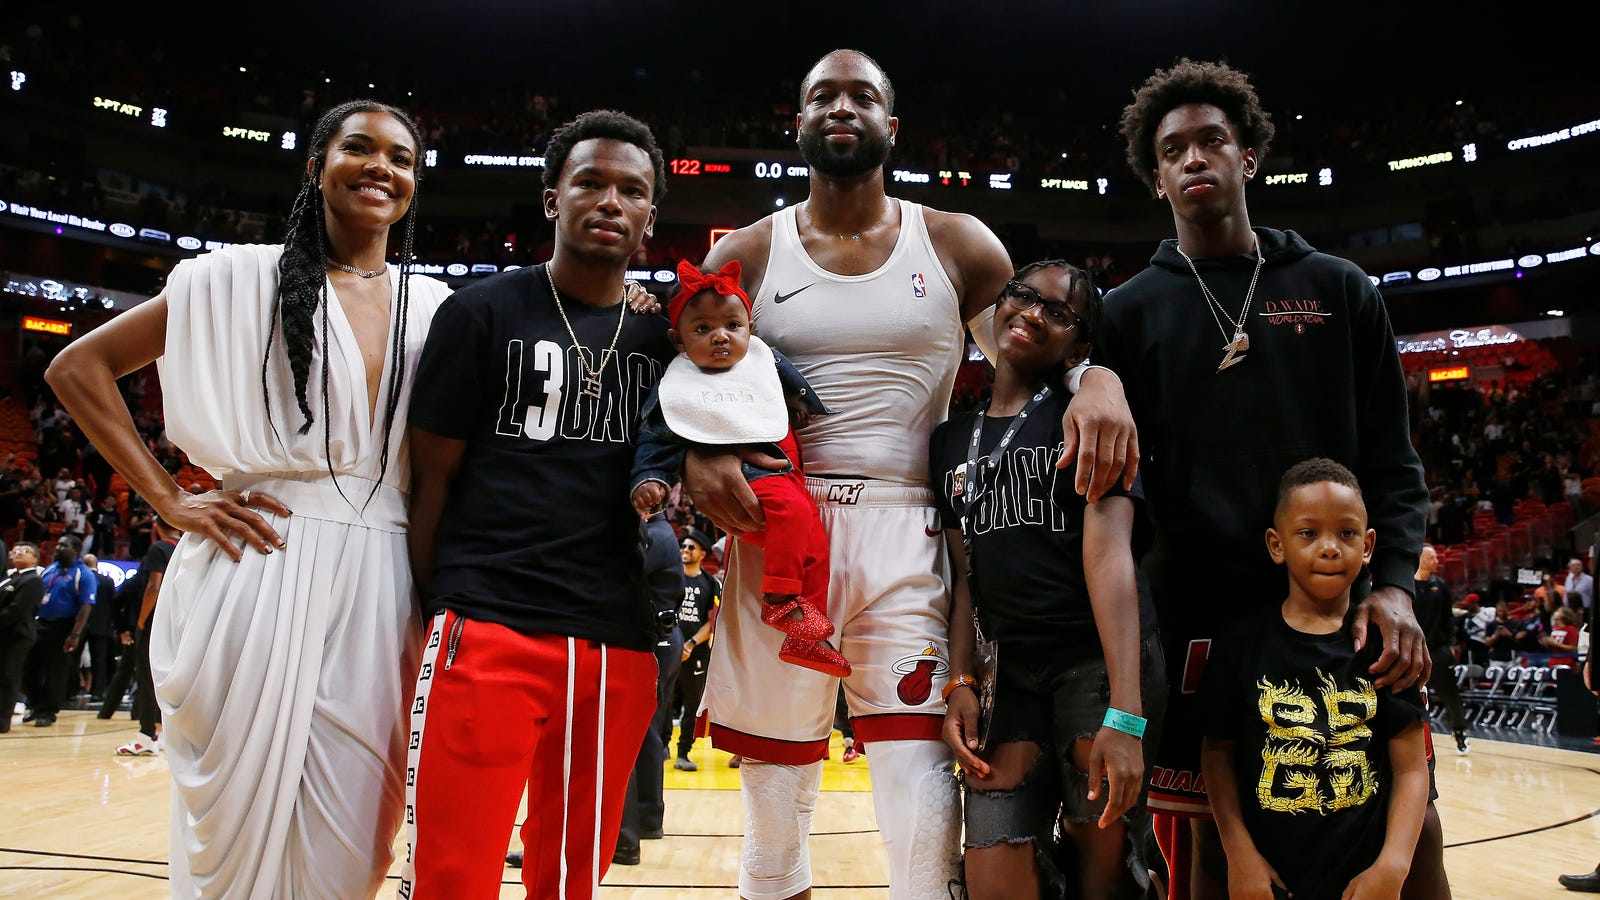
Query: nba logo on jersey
919	288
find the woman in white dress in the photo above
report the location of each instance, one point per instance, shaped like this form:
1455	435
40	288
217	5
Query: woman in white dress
285	644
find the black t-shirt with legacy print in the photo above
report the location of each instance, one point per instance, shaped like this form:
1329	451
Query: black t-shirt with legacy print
1027	533
538	533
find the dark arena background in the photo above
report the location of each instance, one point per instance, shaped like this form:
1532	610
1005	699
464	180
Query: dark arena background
1448	151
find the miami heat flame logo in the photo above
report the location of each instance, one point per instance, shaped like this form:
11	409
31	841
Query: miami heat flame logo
917	674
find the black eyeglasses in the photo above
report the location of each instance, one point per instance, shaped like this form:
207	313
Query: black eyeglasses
1021	297
690	545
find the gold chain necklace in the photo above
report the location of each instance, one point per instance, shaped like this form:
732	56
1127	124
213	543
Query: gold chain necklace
591	377
1234	348
334	263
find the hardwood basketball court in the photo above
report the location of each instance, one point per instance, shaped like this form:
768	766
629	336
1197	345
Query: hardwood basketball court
78	822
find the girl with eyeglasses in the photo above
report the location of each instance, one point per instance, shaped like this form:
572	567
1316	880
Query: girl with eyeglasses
1059	731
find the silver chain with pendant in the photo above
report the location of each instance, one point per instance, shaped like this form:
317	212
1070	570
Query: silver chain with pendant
1239	342
591	377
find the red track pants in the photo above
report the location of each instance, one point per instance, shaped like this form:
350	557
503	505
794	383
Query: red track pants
495	710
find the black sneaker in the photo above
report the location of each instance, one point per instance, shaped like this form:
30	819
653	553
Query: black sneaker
514	859
44	721
1588	883
625	857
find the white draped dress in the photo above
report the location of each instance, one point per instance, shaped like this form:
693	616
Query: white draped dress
283	679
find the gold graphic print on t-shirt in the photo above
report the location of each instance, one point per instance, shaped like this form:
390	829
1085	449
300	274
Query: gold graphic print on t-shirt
1309	769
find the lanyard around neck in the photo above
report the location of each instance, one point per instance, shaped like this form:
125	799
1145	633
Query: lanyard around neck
970	482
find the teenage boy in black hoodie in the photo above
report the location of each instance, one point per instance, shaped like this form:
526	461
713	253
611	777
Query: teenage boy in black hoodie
1243	351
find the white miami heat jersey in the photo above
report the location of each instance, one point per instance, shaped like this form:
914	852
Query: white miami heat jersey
881	349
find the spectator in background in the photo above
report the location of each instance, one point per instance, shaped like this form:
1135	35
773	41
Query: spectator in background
1435	505
10	494
69	599
98	472
140	520
153	566
1434	614
39	512
21	592
645	809
701	592
73	511
104	522
1579	587
63	483
1476	621
1502	633
101	635
1452	520
1548	586
1562	640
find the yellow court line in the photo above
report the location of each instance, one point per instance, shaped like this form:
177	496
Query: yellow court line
714	774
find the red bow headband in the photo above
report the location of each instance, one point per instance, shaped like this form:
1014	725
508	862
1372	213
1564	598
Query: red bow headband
692	281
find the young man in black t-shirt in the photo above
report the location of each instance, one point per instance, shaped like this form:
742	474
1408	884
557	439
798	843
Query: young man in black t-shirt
539	667
1317	777
701	592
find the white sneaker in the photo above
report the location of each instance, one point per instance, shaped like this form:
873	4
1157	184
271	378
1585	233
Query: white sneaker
140	746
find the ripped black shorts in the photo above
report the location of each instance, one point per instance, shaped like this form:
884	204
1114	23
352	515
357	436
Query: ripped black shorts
1054	703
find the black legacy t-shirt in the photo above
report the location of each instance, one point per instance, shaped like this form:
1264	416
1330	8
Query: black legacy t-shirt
1027	534
538	533
1312	745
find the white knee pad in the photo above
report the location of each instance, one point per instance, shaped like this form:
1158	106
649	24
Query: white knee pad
918	802
778	803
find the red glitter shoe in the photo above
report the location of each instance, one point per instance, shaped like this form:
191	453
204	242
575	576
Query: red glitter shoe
814	626
814	655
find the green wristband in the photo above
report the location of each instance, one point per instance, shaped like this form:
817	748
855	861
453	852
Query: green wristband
1127	723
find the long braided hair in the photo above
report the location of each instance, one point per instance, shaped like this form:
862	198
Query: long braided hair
302	283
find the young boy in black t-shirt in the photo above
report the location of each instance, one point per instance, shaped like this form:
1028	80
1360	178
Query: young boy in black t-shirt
1318	780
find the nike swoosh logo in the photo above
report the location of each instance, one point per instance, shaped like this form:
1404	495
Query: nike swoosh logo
779	298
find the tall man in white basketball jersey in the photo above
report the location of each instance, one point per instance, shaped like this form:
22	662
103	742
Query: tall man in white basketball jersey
867	295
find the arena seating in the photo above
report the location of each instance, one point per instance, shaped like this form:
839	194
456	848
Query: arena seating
1510	695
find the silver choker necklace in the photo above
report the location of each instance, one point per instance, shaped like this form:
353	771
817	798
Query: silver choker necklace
335	264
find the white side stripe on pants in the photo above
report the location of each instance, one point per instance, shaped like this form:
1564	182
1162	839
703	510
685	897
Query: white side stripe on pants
566	762
419	717
599	770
